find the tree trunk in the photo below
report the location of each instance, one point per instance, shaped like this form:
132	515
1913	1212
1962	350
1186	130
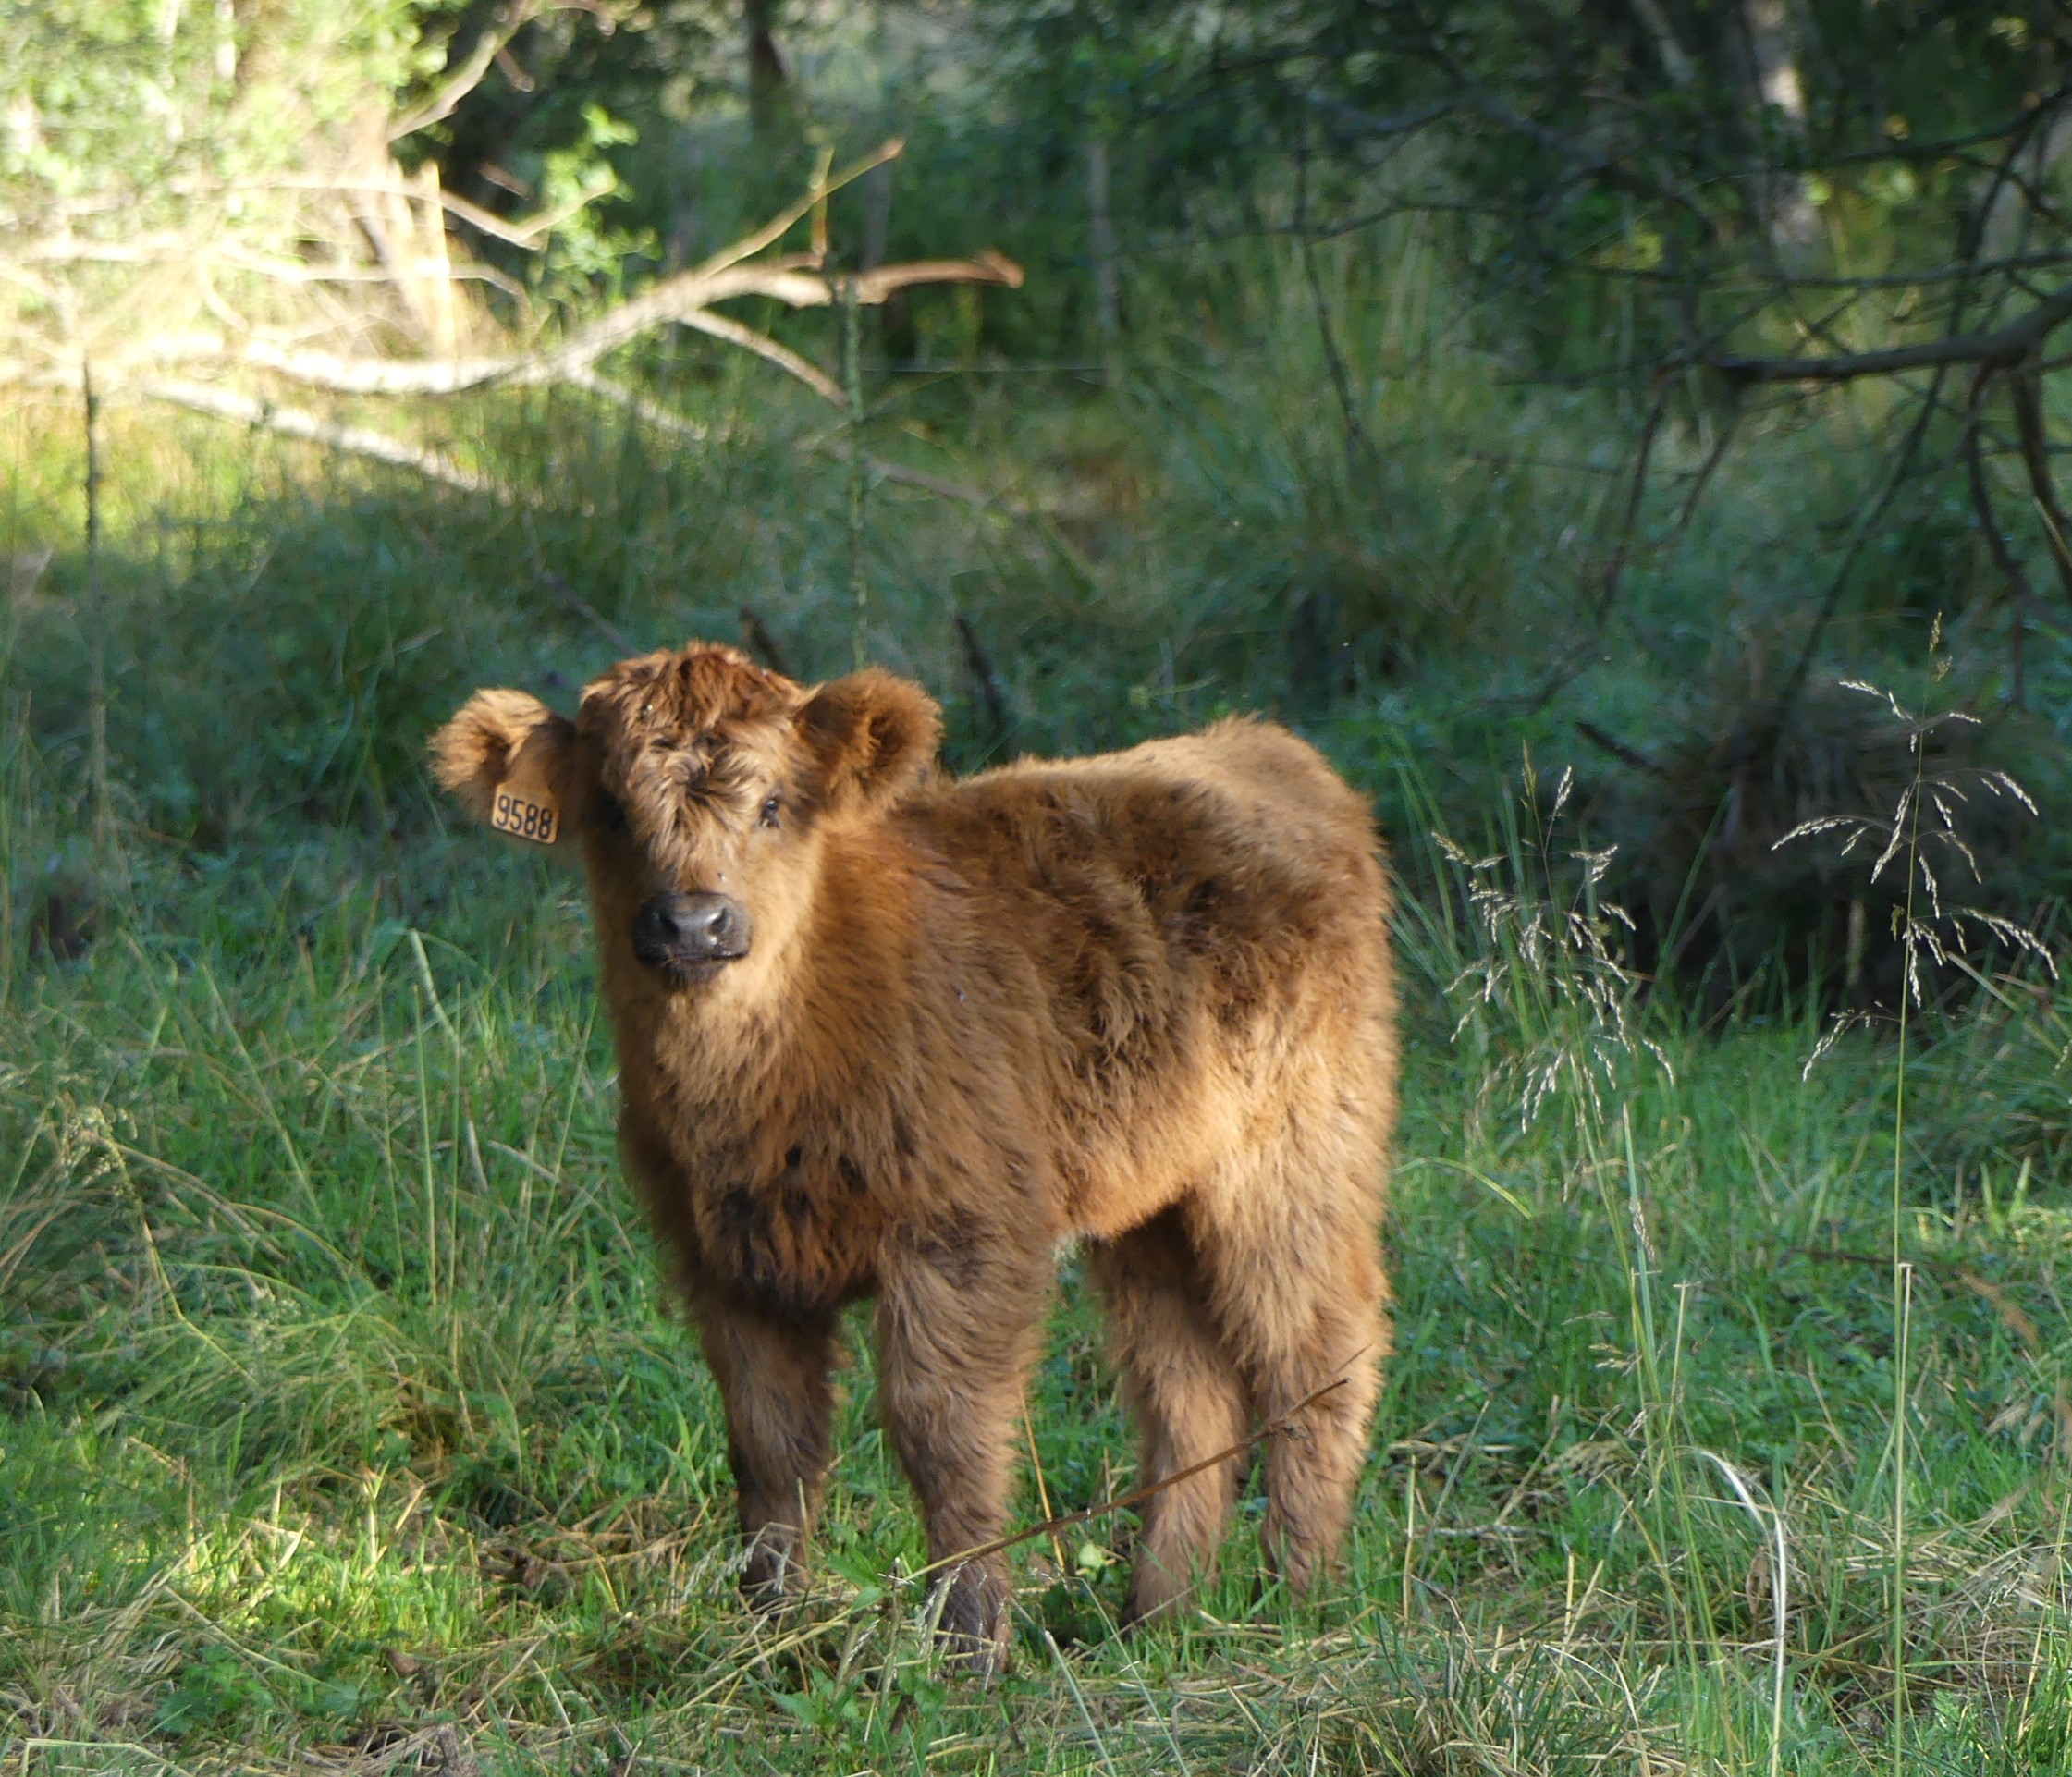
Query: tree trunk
1788	213
1776	66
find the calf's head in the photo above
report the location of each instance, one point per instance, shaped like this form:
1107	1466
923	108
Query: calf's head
699	790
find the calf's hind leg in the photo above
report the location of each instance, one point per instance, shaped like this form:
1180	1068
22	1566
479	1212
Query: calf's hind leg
1300	1295
1186	1397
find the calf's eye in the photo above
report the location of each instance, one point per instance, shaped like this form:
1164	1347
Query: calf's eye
771	810
610	815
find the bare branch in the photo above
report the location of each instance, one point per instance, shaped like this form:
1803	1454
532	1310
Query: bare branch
1674	58
648	411
145	359
224	404
981	670
2012	264
683	298
2023	397
488	48
987	267
1607	741
757	639
584	608
1908	148
1703	479
527	232
1867	520
722	326
941	486
774	230
2004	557
2001	349
1614	567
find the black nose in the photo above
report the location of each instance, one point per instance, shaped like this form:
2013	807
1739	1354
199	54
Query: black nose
680	931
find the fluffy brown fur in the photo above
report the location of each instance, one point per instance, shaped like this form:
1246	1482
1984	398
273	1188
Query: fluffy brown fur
1143	1001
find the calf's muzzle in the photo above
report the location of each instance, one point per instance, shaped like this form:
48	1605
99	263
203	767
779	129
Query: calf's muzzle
690	935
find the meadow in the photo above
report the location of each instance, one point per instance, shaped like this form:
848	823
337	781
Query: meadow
346	1420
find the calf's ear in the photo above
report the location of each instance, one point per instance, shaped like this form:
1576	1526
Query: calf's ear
505	759
872	736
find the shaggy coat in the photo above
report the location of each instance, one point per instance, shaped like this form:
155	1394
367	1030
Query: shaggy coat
883	1033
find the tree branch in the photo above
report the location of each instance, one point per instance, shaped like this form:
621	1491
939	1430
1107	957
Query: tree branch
1794	684
1905	148
1997	546
722	326
224	404
774	230
1608	588
799	281
2001	349
684	297
488	47
523	231
2022	396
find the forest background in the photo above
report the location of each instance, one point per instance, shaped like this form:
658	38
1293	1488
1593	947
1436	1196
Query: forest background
1624	433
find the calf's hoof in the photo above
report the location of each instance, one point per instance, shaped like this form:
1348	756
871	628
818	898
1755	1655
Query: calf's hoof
971	1626
774	1572
1300	1562
1155	1593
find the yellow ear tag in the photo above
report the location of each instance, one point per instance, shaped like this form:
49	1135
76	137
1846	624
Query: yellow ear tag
526	807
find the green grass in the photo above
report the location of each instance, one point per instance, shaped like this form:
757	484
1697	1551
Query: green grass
343	1399
344	1411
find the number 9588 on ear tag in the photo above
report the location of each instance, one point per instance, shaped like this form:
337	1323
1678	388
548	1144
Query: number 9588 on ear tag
520	810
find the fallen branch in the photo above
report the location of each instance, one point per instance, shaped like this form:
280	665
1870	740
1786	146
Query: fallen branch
688	299
642	407
723	326
160	366
358	441
526	232
938	485
816	198
685	299
382	446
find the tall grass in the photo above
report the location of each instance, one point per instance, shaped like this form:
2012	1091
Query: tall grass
344	1413
346	1400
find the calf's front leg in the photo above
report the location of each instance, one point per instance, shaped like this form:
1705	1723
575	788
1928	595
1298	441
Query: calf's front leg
958	1324
772	1373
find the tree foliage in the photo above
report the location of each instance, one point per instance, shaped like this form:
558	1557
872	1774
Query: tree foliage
119	113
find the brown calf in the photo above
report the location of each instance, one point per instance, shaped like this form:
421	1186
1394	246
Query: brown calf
885	1032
